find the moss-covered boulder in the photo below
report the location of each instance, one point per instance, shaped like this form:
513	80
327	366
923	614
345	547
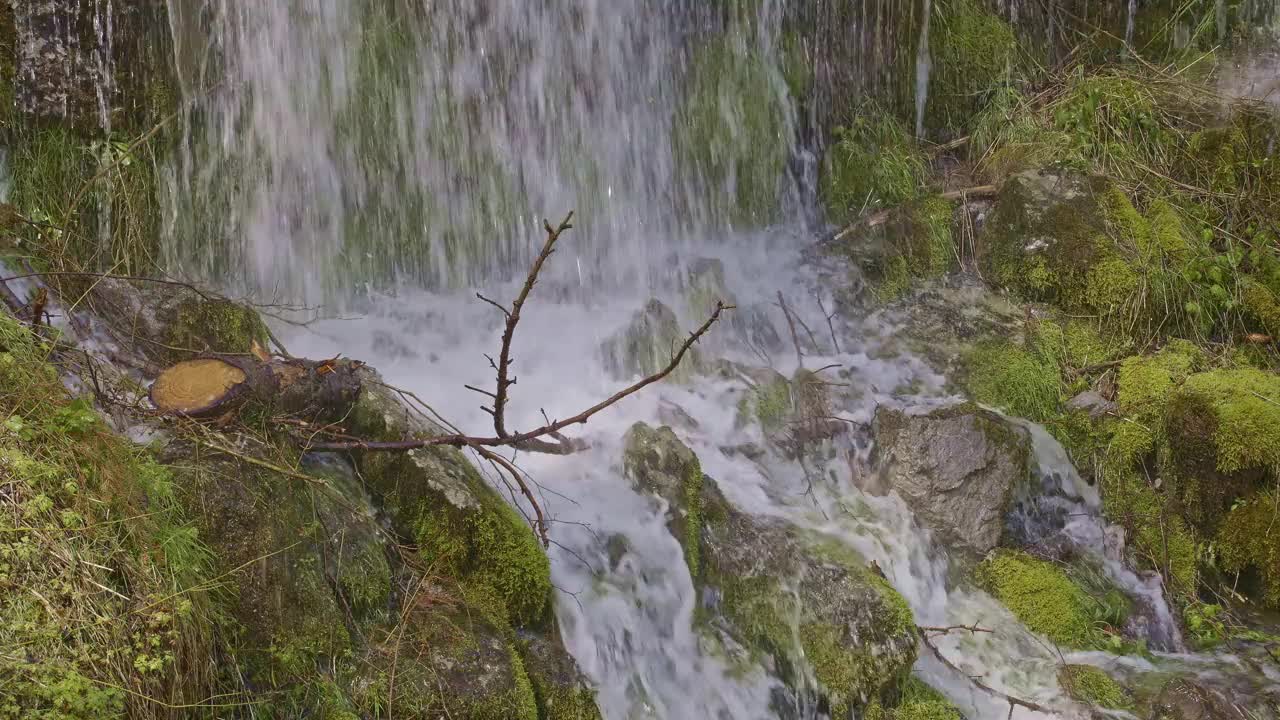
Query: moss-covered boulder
397	580
810	604
559	688
1044	597
164	324
958	468
436	498
1091	685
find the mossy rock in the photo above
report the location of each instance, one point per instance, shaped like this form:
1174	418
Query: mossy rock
1091	685
1044	236
306	564
561	692
1042	596
646	345
973	52
167	324
805	601
435	496
448	657
657	462
196	325
917	702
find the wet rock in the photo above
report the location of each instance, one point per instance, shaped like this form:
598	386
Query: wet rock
646	345
559	687
945	318
796	598
154	325
958	468
1183	699
671	414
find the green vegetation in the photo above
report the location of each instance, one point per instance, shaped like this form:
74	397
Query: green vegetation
918	702
1049	601
98	613
1088	684
873	163
974	52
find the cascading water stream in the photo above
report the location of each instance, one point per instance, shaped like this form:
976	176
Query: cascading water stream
361	155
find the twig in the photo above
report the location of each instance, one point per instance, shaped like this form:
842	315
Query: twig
1034	707
881	217
505	379
521	439
540	524
830	327
795	339
973	629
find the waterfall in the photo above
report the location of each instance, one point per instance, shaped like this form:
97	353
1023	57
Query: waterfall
393	158
923	67
379	142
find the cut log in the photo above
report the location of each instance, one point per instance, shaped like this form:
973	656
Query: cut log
214	385
200	388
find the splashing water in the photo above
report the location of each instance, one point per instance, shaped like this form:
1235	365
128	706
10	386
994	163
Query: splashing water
358	153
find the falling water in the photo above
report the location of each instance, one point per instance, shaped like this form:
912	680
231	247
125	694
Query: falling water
924	65
395	161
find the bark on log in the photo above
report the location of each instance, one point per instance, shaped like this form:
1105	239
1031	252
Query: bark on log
217	384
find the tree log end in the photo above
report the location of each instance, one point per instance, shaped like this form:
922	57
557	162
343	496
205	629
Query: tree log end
199	388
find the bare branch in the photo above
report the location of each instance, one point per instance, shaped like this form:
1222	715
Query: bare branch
522	439
1034	707
795	339
496	304
505	381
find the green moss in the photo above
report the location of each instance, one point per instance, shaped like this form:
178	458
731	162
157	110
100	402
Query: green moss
1012	379
1088	684
873	163
217	326
556	702
1161	538
974	52
491	546
1250	540
1246	405
1041	596
1146	382
919	702
921	234
1111	284
845	674
1262	304
731	130
772	403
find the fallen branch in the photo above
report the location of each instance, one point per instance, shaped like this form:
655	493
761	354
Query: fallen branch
881	217
1013	701
936	631
516	440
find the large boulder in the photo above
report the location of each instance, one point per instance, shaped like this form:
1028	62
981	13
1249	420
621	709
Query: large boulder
808	603
355	582
958	468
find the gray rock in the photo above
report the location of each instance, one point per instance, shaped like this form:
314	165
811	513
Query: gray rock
646	345
800	599
1092	403
958	468
1183	699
